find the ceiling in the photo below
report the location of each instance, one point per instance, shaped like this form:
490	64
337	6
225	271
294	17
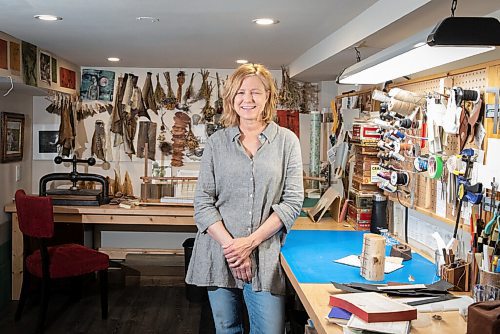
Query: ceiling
314	38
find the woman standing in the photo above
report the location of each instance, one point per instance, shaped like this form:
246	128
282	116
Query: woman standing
248	195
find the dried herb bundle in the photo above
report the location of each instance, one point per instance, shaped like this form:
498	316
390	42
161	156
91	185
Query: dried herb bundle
290	92
170	101
159	92
204	92
189	94
181	79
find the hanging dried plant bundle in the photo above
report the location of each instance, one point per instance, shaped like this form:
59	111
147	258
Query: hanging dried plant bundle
203	93
309	97
192	142
148	94
290	92
189	94
179	132
164	146
159	92
170	101
181	79
219	108
208	111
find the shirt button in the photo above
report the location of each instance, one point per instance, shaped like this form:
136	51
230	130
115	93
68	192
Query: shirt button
249	212
251	179
251	195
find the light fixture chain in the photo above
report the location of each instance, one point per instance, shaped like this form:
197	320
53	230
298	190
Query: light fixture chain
453	7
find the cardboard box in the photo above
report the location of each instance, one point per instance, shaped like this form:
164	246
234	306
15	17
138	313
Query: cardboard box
359	214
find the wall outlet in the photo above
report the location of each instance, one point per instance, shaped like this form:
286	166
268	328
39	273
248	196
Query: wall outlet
18	173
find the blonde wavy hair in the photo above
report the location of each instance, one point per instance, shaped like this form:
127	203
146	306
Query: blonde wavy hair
233	84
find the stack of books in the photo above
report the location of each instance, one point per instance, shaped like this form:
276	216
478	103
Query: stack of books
371	311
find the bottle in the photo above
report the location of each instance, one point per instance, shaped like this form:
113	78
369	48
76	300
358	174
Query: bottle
379	213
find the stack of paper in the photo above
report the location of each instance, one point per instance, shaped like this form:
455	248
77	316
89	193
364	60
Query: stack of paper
395	327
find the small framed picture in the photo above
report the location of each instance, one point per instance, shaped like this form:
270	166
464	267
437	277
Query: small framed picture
12	134
45	141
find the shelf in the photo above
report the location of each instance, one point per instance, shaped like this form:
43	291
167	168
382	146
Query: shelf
20	88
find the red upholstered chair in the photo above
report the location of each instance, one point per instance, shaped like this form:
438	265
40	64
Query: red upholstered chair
36	221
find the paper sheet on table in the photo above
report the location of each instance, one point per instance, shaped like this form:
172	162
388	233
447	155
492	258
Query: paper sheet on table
395	327
354	261
456	304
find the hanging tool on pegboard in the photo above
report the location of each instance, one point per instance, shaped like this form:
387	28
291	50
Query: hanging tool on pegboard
496	91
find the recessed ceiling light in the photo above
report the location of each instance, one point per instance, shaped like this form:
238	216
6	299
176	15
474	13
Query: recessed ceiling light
242	61
265	21
148	18
115	59
45	17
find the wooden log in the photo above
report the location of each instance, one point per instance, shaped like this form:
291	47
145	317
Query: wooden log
373	257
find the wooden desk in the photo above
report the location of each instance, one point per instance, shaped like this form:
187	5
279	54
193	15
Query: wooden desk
177	218
315	297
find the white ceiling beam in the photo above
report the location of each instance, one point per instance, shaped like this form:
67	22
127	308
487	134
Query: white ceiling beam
379	15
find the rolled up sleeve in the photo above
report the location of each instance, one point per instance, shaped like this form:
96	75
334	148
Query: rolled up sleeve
205	212
293	192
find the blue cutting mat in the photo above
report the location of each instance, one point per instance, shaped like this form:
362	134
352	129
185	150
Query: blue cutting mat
310	255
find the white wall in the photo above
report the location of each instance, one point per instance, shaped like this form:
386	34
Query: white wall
16	102
118	159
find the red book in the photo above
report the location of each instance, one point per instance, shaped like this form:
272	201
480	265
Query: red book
374	307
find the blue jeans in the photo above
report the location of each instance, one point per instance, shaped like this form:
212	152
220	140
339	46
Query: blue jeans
265	310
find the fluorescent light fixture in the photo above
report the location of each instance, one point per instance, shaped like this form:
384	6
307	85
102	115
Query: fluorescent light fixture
45	17
449	43
242	61
113	59
265	21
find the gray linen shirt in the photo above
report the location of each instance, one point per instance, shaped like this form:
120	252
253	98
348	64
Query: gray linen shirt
242	193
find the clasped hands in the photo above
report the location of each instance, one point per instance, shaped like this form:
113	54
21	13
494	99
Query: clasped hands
237	254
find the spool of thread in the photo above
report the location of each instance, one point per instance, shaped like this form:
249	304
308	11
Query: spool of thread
406	146
407	96
402	251
400	178
435	167
379	95
373	257
384	175
421	164
402	107
387	186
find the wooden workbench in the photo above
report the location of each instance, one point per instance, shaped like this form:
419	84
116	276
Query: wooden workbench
175	218
315	297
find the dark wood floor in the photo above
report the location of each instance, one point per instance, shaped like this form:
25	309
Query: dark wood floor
132	309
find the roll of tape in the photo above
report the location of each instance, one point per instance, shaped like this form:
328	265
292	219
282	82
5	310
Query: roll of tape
435	167
421	164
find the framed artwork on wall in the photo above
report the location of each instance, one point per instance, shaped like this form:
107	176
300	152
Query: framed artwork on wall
45	138
12	137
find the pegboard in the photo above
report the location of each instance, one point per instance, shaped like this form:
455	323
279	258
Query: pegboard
471	80
425	187
422	87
